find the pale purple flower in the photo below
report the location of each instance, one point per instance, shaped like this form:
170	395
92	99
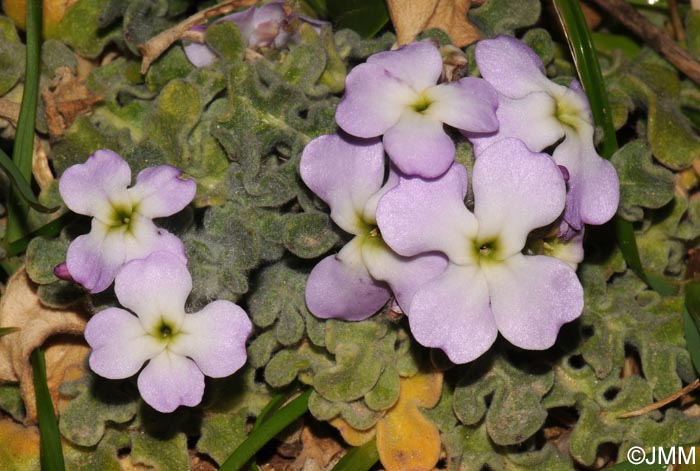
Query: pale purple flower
347	174
540	113
489	286
122	226
263	26
395	94
180	348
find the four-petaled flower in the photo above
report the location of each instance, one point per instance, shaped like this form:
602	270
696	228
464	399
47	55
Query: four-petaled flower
347	174
540	112
180	348
122	226
489	286
395	94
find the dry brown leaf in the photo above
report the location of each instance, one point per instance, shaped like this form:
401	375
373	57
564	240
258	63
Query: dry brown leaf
20	307
411	17
316	448
20	445
66	98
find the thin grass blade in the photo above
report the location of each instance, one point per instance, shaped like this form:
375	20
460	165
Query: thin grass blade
51	451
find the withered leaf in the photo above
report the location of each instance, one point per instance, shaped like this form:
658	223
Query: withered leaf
61	330
411	17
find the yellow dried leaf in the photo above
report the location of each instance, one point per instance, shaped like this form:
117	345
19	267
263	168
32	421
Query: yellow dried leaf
411	17
60	329
351	435
20	446
406	440
52	13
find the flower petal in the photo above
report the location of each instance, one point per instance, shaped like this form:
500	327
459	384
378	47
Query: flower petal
418	145
418	64
515	191
594	187
370	211
199	54
119	344
510	66
215	338
405	275
344	172
170	381
452	313
532	297
468	104
161	191
339	286
155	288
373	101
532	119
94	259
421	216
89	187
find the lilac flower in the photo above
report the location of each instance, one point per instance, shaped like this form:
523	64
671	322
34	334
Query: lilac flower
347	174
180	348
539	112
395	94
489	286
122	229
264	26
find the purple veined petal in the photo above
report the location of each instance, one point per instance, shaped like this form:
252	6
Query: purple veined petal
418	145
532	119
215	338
404	275
421	216
373	101
245	20
170	381
594	187
89	187
515	191
510	66
199	54
155	288
468	104
344	172
370	211
161	191
532	297
340	287
94	259
452	313
418	64
168	242
119	344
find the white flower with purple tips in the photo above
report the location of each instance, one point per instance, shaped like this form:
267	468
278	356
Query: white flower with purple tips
122	226
347	174
395	94
179	348
489	286
540	113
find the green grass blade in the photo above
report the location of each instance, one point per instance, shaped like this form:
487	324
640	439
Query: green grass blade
361	458
7	330
21	184
51	451
51	229
258	438
23	150
583	52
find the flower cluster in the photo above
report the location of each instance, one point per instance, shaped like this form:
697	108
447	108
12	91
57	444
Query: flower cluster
149	268
461	275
